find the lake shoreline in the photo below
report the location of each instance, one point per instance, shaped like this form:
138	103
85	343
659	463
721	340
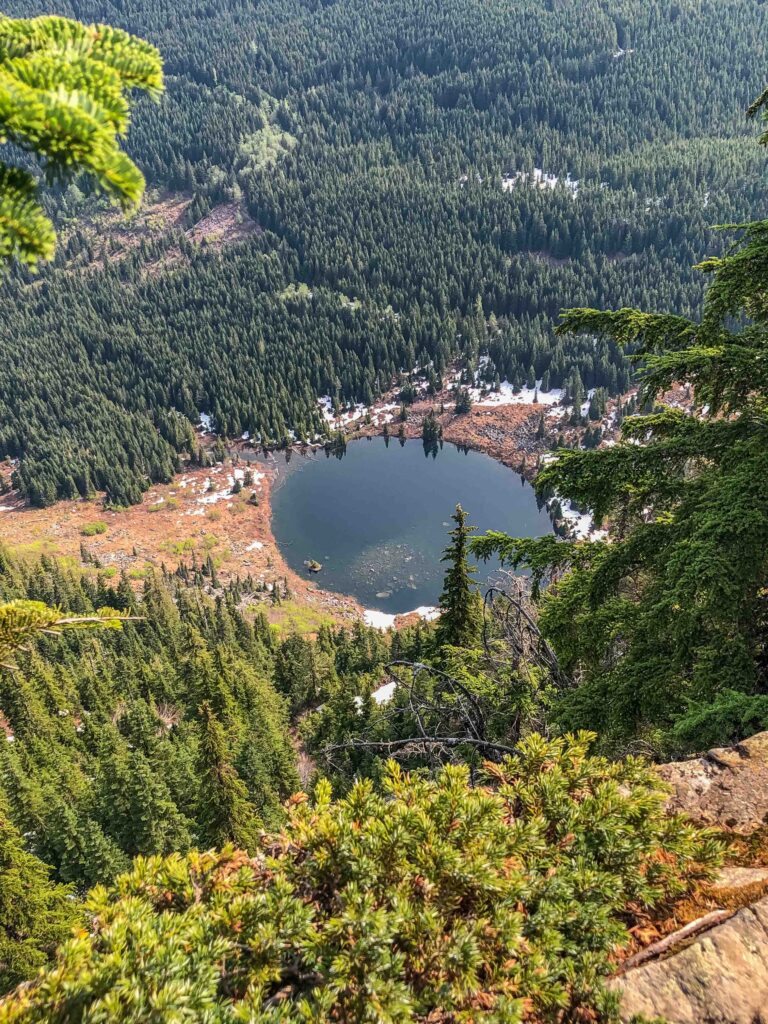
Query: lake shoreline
167	529
180	524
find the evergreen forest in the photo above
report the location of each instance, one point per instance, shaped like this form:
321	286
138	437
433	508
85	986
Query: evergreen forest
386	155
399	888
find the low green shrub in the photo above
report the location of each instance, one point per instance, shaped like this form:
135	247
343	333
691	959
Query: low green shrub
163	505
93	529
425	900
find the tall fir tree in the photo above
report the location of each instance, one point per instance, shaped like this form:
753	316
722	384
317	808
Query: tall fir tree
666	625
226	814
460	604
36	914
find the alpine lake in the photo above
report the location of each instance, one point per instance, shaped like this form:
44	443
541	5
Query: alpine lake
376	517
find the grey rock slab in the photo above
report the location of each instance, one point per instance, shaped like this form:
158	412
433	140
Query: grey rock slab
732	877
726	787
721	977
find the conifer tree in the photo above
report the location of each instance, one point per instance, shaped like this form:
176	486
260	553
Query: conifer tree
463	401
226	814
22	621
64	97
460	604
666	624
36	914
79	849
157	824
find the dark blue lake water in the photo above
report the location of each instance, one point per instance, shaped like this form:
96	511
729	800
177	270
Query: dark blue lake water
377	519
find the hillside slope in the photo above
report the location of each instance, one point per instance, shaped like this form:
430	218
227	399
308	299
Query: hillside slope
529	156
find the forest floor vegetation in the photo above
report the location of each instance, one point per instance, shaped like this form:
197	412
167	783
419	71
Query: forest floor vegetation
179	524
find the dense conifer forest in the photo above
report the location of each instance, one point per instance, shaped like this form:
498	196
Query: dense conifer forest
168	734
127	750
386	153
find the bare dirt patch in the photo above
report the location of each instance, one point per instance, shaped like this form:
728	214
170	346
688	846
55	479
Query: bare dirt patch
162	221
224	225
114	235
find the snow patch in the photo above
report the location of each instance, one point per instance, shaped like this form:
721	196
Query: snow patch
345	417
426	611
379	620
526	396
384	693
540	180
383	620
211	499
581	524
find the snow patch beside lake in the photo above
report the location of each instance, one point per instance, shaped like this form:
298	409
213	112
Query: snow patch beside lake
350	416
525	396
384	620
580	523
379	620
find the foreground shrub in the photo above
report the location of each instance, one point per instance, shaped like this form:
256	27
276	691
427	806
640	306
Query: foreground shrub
429	900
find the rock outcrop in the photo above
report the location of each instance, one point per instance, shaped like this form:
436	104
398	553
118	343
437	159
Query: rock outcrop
728	786
720	978
721	975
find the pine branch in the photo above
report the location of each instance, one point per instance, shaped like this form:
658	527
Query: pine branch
24	621
64	97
